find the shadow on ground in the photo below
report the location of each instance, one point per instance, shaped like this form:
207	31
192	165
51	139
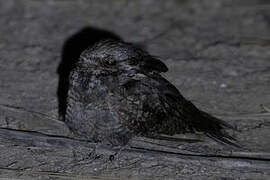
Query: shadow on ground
71	51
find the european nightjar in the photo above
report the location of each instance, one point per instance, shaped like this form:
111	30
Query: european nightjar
116	91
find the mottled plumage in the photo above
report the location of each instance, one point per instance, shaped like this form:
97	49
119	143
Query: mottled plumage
116	91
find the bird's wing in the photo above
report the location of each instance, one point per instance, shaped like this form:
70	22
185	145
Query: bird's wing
153	105
191	118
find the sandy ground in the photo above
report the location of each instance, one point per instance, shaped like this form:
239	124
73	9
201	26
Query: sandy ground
218	54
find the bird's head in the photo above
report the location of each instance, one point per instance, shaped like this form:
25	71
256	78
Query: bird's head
111	55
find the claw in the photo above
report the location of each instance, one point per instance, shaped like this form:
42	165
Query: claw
107	151
117	153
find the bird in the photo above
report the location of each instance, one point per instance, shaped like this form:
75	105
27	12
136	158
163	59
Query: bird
117	91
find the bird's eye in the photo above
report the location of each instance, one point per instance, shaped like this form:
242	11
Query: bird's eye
110	62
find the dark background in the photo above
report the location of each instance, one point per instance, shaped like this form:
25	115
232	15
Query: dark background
217	51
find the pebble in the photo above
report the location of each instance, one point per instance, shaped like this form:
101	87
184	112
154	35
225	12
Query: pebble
223	85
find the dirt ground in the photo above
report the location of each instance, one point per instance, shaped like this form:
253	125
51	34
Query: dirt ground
218	54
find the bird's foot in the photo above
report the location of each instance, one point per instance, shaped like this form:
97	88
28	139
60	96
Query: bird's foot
106	151
117	152
100	150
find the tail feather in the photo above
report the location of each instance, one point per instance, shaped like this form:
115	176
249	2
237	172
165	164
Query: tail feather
200	121
216	129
